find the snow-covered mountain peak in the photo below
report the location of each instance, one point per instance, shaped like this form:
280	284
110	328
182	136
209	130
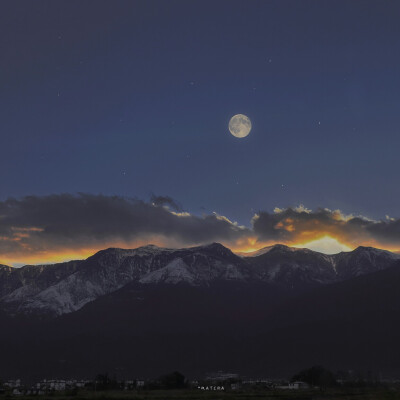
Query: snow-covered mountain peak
215	250
254	253
215	246
66	287
175	272
115	256
5	268
363	250
276	248
152	248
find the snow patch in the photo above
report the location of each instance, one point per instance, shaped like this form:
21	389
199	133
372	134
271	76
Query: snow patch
174	272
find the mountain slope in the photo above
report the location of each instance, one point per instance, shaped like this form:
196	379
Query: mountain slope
66	287
303	268
363	260
147	329
354	324
294	268
111	269
32	279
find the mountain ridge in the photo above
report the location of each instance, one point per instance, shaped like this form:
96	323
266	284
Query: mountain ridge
148	329
66	287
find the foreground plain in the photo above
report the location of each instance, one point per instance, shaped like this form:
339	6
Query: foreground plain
333	394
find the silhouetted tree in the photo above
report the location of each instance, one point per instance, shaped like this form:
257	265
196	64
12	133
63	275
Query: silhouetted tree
316	376
104	382
174	380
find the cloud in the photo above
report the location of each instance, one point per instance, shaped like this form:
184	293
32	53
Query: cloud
36	228
166	201
34	225
293	225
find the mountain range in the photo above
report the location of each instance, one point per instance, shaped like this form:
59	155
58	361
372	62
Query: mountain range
66	287
148	310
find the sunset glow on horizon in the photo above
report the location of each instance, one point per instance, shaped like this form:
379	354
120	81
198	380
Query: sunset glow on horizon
325	244
38	229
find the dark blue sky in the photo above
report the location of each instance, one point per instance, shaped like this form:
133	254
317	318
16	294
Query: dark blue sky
134	97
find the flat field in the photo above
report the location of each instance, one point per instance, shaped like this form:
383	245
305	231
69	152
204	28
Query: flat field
335	394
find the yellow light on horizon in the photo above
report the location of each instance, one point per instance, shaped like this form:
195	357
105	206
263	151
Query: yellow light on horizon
326	245
41	259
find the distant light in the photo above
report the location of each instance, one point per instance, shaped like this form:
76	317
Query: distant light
326	244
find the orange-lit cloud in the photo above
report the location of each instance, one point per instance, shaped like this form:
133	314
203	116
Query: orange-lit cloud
301	226
43	229
59	227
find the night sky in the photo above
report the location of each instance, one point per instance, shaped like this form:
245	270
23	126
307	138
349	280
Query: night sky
133	99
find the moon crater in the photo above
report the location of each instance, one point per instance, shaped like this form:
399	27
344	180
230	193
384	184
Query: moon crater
240	125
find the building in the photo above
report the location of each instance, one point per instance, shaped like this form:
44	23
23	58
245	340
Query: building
294	385
139	383
298	385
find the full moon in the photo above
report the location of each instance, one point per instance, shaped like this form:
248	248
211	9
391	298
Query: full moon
240	125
